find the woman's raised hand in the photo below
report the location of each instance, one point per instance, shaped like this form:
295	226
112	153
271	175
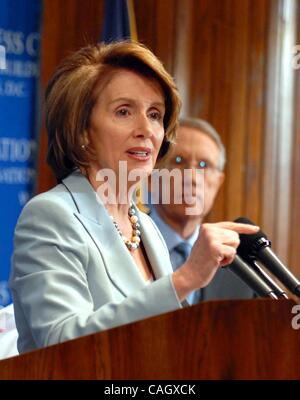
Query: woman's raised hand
215	247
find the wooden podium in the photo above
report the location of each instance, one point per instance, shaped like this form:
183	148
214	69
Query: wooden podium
247	339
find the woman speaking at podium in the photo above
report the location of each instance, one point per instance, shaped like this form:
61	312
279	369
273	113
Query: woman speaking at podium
85	261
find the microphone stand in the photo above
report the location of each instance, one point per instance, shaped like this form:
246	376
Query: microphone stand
267	279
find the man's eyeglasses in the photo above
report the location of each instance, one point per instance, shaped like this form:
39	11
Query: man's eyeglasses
183	163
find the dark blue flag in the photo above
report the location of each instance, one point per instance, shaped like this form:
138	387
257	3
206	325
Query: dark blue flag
119	21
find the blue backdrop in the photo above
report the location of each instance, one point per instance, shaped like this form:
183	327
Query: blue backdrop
20	37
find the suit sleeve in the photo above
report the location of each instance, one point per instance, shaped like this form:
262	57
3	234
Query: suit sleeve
49	282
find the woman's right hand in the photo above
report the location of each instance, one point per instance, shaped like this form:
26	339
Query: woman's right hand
215	247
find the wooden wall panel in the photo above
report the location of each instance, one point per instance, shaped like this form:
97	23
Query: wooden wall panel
156	28
67	26
277	146
227	88
258	33
236	109
295	203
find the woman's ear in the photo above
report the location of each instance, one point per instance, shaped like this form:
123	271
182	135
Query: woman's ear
85	141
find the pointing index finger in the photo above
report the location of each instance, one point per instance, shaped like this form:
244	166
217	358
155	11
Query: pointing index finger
238	227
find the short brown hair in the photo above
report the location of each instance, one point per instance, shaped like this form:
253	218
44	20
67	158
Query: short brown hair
70	98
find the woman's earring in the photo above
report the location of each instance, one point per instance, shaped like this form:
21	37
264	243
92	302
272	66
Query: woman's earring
83	147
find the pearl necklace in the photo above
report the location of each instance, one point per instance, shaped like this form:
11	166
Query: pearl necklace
134	243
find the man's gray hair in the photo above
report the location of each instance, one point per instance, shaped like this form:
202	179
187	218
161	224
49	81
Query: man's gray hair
210	131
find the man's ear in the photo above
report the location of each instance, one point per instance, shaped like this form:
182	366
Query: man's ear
221	179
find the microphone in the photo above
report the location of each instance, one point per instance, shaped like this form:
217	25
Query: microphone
247	275
258	247
267	279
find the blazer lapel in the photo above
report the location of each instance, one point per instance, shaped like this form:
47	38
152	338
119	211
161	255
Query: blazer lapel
156	250
157	254
91	212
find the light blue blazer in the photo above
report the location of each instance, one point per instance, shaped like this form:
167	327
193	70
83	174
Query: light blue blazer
72	274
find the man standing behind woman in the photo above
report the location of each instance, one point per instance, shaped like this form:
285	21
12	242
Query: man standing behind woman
84	262
200	148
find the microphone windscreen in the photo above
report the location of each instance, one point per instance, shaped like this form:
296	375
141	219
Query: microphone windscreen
247	242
